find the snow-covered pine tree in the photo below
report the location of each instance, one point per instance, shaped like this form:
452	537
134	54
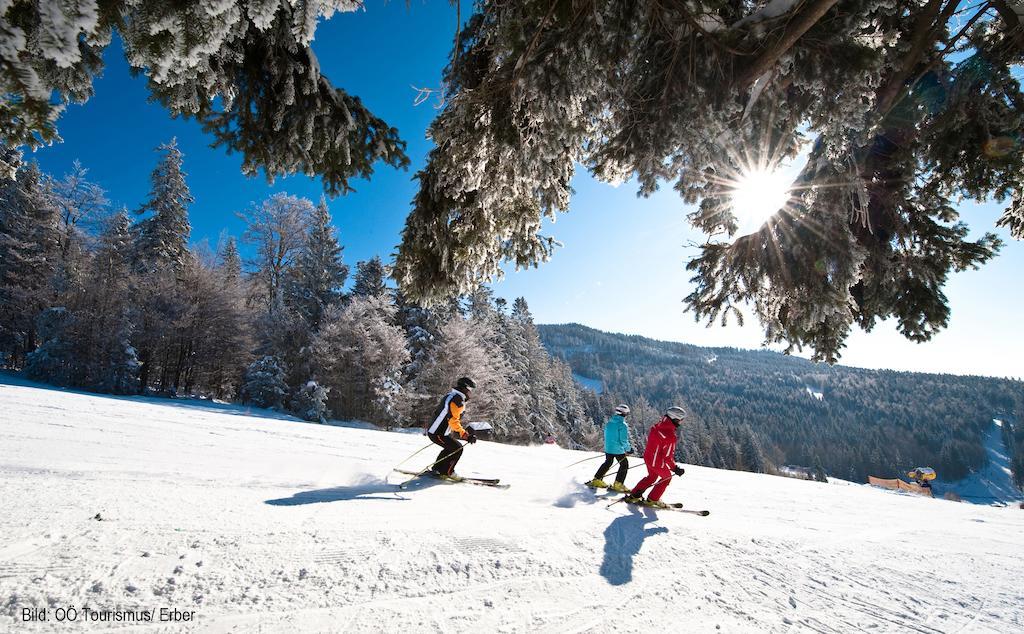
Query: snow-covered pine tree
545	398
422	328
310	402
315	281
751	455
162	240
264	384
909	106
230	260
243	69
819	470
160	255
517	352
532	377
370	278
54	360
577	430
28	250
360	353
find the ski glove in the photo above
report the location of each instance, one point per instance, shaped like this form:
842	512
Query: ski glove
471	438
678	471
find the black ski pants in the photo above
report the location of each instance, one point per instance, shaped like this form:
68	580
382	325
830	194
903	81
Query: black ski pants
620	477
451	451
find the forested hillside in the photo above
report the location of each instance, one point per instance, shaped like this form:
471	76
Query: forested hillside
787	410
93	298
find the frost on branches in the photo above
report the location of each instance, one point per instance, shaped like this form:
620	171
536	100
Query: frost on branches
310	402
163	236
264	384
242	68
360	352
905	108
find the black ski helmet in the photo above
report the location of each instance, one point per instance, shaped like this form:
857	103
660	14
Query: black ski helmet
465	384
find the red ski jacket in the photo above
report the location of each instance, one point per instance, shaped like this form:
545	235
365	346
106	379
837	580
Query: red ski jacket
661	448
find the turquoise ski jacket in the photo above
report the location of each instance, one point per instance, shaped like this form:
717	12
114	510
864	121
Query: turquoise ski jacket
616	436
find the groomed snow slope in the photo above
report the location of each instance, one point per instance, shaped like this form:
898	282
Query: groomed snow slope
270	525
994	481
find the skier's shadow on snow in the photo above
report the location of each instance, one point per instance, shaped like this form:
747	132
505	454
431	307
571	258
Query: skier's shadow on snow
361	491
622	541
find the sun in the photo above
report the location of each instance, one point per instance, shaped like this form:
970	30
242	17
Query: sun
757	195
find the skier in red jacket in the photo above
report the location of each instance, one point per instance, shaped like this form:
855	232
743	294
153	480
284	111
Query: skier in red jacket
659	455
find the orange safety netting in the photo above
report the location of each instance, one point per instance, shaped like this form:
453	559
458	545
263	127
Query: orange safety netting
899	485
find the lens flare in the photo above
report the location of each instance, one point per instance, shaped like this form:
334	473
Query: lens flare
757	195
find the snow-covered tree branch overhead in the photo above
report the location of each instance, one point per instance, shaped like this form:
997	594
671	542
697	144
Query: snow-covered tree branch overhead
909	106
243	68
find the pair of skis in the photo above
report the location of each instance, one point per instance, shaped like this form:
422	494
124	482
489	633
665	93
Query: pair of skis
484	482
496	483
674	506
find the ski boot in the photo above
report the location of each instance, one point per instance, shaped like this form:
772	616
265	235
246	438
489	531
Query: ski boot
618	487
655	504
633	499
597	484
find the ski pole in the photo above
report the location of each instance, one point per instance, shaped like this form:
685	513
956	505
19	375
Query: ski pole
584	460
410	457
441	459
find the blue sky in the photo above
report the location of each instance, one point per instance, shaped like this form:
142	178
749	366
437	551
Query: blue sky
622	265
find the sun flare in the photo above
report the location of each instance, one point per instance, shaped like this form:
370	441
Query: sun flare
757	195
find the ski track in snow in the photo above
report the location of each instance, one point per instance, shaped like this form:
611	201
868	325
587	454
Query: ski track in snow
272	525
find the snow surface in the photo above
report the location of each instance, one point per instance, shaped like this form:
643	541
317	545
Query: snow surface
994	482
273	525
595	385
815	393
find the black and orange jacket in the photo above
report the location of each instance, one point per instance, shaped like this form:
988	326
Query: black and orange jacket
449	416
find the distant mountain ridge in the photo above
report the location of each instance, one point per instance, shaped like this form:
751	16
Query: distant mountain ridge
854	421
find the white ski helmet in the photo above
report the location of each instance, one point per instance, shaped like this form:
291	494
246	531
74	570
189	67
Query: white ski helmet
676	413
622	410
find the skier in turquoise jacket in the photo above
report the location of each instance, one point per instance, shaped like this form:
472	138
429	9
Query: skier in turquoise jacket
616	446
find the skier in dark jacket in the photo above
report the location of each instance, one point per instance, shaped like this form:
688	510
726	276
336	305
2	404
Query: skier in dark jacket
659	455
448	420
616	446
